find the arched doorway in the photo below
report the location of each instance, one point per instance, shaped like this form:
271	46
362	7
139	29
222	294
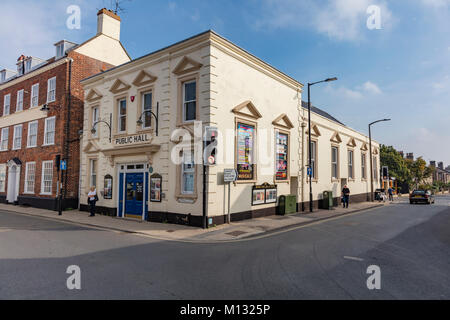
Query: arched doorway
13	180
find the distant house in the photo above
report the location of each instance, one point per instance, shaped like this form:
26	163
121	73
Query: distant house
41	115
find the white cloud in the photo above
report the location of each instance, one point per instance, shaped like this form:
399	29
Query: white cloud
371	87
359	92
342	20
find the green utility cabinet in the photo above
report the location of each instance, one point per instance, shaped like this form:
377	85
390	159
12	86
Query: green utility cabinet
287	205
327	201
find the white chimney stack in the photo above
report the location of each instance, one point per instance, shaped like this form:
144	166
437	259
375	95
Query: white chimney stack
108	24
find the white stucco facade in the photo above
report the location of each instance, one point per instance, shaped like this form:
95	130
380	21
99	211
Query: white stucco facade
233	89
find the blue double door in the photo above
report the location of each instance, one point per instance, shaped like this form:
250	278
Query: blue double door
133	195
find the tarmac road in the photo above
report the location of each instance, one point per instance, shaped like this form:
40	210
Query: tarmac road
329	260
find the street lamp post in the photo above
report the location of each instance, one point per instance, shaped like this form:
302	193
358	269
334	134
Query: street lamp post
371	158
309	140
93	130
140	122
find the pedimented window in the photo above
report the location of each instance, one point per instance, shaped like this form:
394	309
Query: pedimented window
119	86
143	79
351	143
93	96
315	132
186	65
247	109
336	138
283	121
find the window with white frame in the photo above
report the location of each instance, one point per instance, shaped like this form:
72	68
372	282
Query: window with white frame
4	139
334	162
122	115
47	177
19	103
17	141
51	89
146	108
93	173
188	173
30	174
313	159
6	104
375	168
2	177
32	134
95	118
351	174
35	95
189	101
363	166
49	132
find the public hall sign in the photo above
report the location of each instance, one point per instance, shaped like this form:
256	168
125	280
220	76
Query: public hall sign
130	140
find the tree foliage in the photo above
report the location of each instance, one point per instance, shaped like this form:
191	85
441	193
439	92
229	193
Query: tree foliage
412	172
397	165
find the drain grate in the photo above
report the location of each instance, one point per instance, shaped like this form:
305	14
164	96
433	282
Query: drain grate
236	233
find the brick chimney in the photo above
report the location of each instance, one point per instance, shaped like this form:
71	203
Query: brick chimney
441	165
108	24
433	164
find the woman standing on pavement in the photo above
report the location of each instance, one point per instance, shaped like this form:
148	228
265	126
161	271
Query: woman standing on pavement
92	200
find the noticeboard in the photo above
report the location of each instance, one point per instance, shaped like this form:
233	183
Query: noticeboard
264	194
156	188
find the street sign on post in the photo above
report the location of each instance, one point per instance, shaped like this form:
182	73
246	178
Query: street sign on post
310	172
229	175
63	165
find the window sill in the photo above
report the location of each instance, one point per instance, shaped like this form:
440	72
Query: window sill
246	182
48	145
31	147
45	194
282	181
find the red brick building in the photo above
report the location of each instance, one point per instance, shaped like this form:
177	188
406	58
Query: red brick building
41	117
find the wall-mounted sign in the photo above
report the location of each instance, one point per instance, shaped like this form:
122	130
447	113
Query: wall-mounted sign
132	98
108	187
130	140
263	194
156	188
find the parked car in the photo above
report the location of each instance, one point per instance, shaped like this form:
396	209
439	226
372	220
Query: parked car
421	196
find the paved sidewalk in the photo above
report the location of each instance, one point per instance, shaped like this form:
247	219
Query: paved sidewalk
235	231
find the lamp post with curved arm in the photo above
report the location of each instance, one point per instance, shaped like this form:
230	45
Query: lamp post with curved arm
140	122
371	156
310	142
93	130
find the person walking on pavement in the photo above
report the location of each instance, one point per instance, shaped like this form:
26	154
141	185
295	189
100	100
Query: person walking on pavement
92	200
391	194
345	196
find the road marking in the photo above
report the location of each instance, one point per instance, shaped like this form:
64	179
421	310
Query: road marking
353	258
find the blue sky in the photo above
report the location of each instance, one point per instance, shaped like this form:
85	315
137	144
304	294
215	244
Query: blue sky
401	71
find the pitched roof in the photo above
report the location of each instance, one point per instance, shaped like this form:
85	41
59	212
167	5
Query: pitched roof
321	112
